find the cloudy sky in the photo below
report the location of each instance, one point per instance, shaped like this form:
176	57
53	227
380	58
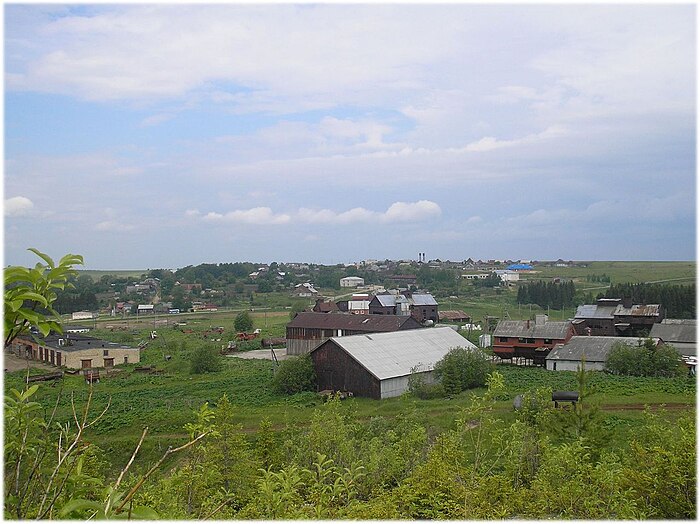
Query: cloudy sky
166	135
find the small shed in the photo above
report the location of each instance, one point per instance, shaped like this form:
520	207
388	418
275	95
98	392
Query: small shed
567	357
379	365
679	333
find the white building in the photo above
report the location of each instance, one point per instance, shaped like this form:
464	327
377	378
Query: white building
507	275
352	282
82	315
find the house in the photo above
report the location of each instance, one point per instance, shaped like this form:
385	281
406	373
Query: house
352	282
422	306
454	316
567	357
76	329
379	365
304	290
75	351
611	317
681	334
307	330
82	315
507	275
530	339
323	306
358	304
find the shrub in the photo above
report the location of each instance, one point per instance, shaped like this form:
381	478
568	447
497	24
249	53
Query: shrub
205	359
420	388
294	375
463	369
644	360
243	322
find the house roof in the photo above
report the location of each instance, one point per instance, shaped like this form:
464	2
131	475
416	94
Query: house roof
675	330
423	300
79	342
648	310
595	311
389	355
520	328
452	315
368	323
596	349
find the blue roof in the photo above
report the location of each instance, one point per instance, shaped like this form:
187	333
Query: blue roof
519	266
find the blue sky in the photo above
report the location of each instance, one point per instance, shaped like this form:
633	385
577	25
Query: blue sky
145	136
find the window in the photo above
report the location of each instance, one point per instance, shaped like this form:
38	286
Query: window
126	360
547	340
503	339
105	352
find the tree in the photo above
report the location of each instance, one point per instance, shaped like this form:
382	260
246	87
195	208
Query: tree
243	322
295	375
462	369
646	359
31	292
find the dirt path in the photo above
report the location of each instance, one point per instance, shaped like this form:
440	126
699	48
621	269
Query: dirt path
14	363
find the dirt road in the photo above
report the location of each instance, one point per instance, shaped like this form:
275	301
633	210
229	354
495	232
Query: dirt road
13	363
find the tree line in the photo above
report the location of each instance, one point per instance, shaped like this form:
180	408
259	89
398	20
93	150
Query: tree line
547	294
678	301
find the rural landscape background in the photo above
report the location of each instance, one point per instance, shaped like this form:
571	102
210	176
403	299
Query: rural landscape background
203	168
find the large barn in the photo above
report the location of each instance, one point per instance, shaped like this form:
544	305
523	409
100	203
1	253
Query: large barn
307	330
379	365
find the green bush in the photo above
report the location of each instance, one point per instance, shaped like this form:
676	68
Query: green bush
646	359
205	359
294	375
243	322
463	369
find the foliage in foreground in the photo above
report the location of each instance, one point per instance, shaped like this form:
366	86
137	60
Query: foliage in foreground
337	467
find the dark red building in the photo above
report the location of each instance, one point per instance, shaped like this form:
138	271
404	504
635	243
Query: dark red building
530	339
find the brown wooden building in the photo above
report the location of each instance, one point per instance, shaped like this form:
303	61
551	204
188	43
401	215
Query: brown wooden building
307	330
530	339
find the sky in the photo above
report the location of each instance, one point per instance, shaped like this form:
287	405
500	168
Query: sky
167	135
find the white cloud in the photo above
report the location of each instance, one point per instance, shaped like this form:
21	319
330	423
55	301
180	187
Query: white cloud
396	213
113	226
256	216
155	120
18	206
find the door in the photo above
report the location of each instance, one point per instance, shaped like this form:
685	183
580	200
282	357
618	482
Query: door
58	358
109	362
86	363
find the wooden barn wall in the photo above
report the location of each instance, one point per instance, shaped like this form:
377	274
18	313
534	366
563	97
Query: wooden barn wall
337	370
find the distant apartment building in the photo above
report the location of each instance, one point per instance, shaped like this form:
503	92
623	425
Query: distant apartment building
352	282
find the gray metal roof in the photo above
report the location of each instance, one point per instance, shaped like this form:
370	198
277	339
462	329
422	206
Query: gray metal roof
520	328
423	300
389	355
596	349
386	300
594	311
675	330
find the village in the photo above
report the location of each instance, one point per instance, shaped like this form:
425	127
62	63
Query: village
373	338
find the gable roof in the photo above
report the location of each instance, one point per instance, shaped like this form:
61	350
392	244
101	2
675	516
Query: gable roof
519	328
595	311
596	349
368	323
423	300
389	355
675	330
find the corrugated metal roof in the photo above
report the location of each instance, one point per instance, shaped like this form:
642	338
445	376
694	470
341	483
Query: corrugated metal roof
519	328
423	300
369	323
386	300
594	311
79	342
389	355
638	310
596	349
674	330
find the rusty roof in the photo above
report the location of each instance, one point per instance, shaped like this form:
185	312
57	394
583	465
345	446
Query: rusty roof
638	310
368	323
